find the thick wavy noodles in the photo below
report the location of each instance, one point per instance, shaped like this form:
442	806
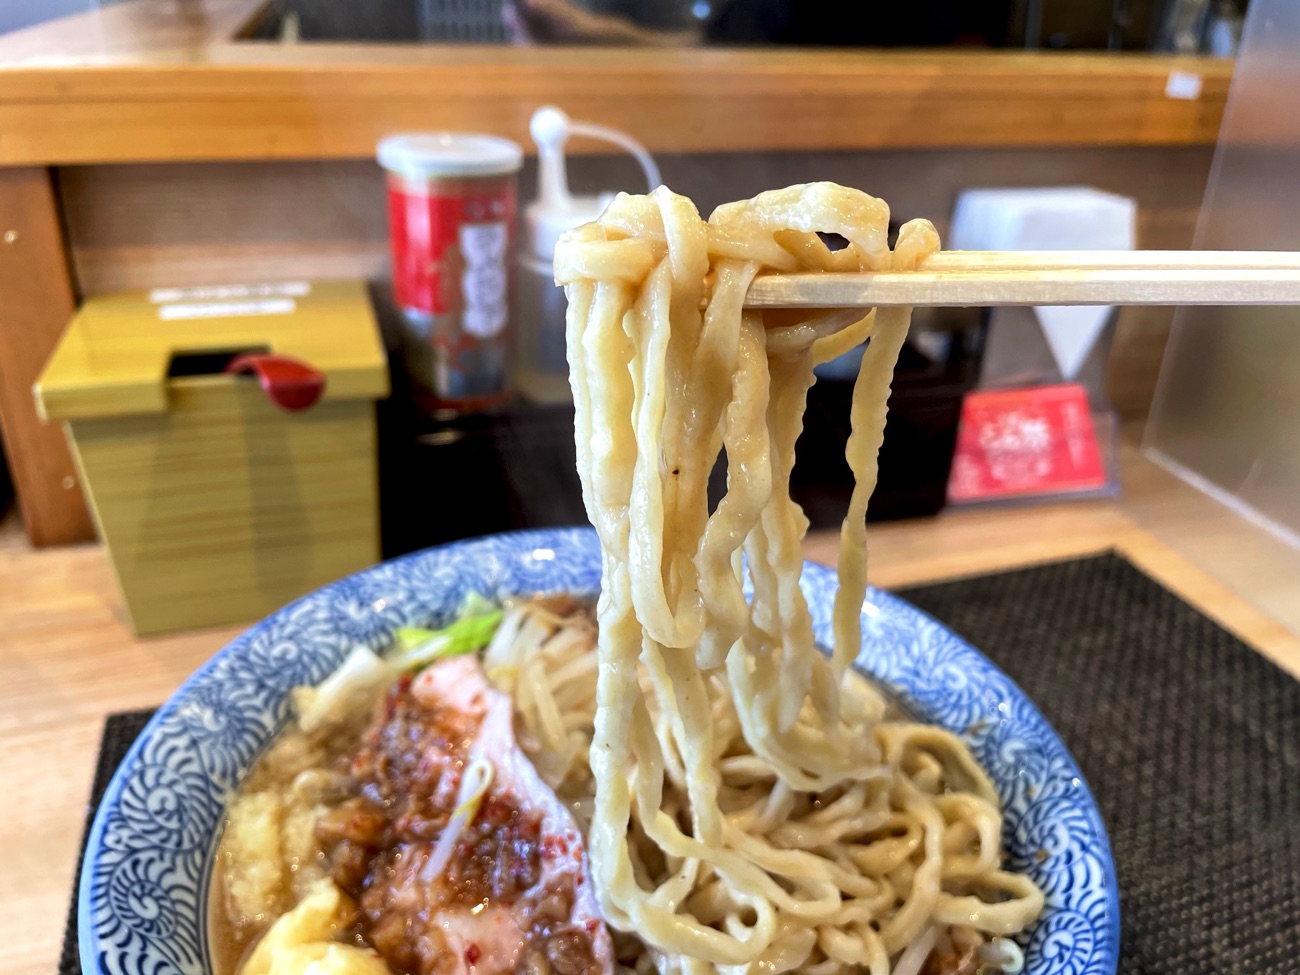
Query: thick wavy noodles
754	808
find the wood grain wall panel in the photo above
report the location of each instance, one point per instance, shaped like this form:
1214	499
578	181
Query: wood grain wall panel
137	226
36	301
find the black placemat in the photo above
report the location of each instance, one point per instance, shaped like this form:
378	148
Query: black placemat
1189	739
120	732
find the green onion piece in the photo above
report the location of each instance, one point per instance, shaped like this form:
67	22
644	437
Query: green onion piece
471	632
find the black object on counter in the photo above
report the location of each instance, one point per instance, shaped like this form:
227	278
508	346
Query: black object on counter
443	478
930	381
6	486
450	476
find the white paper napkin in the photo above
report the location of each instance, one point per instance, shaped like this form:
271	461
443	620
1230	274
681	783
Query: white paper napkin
1050	218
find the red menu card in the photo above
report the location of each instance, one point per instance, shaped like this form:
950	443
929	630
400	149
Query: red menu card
1021	442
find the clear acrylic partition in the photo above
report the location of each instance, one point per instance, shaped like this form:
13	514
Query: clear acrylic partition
1226	416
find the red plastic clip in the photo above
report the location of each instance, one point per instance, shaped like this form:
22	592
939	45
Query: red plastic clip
289	383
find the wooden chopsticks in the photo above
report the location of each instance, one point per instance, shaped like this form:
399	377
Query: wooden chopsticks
1049	278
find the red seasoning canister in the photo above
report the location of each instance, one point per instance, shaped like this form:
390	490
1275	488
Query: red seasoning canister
451	208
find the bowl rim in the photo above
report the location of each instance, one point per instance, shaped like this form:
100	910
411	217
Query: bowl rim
89	939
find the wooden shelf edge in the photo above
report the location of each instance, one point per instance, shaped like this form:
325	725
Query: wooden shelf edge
234	101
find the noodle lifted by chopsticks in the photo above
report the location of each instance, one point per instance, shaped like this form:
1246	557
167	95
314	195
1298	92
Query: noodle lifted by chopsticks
754	809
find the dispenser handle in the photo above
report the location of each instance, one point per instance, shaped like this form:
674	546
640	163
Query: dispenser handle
288	383
624	141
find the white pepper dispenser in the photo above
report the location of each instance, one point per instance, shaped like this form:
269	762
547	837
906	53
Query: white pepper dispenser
541	369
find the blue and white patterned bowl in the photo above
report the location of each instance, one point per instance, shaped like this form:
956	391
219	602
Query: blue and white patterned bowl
143	897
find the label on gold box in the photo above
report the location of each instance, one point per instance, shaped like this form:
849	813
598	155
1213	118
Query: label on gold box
228	309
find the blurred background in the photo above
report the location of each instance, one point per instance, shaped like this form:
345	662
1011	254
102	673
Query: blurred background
1184	26
277	302
372	191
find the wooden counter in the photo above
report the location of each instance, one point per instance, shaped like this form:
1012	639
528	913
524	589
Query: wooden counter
67	659
154	80
249	100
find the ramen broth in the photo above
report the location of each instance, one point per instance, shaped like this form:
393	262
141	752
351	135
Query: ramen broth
232	931
360	799
346	797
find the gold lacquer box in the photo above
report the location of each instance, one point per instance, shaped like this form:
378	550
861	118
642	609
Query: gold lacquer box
218	505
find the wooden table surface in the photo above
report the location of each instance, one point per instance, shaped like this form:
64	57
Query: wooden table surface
67	659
